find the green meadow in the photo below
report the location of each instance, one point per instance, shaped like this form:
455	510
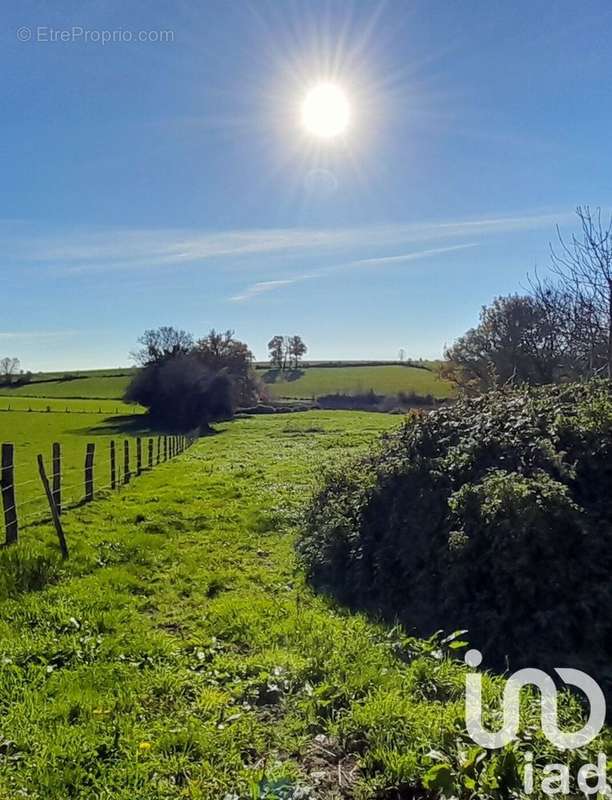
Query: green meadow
307	382
180	653
84	386
311	382
33	432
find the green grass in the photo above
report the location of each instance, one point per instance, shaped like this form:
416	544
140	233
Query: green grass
34	432
99	386
179	654
67	405
392	379
315	381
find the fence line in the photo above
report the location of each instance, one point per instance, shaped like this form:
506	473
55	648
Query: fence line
55	490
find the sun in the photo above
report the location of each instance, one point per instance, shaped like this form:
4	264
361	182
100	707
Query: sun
326	111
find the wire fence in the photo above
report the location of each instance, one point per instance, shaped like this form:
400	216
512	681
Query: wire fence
63	488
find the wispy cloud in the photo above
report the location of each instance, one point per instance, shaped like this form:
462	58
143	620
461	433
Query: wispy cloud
263	287
433	251
84	251
36	335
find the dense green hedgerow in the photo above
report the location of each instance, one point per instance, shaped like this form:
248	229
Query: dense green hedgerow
493	515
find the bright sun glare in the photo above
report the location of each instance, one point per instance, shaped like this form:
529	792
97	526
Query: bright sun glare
325	111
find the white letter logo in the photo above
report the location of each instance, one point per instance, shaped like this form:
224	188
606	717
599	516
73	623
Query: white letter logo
548	706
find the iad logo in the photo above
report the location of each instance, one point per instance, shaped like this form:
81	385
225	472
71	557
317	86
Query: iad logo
591	779
548	706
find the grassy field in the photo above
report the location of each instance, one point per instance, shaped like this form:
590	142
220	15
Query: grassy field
315	381
67	405
34	432
310	382
96	386
179	653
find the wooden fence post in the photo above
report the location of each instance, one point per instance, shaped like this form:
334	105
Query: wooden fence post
138	455
89	476
150	454
158	449
113	465
7	481
126	461
56	461
55	516
165	448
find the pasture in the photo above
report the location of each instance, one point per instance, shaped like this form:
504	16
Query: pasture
180	652
311	382
82	386
33	432
306	383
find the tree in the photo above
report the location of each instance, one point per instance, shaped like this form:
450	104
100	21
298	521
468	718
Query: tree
580	291
222	351
161	344
9	369
286	351
296	349
181	392
186	385
517	339
276	350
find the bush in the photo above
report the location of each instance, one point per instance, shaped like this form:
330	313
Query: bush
182	393
493	515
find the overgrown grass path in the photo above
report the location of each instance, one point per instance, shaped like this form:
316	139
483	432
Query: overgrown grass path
180	654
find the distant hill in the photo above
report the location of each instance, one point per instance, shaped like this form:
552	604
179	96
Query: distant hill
311	380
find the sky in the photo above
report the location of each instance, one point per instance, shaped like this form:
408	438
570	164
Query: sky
155	169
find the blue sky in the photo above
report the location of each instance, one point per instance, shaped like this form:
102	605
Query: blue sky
170	182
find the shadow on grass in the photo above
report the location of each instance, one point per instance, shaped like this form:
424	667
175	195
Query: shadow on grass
137	425
287	375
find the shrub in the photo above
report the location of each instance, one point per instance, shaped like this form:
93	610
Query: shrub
493	515
182	393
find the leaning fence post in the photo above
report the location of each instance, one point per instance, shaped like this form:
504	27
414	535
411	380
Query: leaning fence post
126	461
138	455
150	445
57	476
89	479
113	465
7	481
55	516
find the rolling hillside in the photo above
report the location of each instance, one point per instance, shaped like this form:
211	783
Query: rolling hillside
308	382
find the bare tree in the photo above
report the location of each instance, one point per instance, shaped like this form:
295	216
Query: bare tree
276	349
296	349
9	369
579	293
161	344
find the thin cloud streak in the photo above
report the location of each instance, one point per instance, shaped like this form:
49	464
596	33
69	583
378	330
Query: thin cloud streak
434	251
37	335
263	287
120	249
